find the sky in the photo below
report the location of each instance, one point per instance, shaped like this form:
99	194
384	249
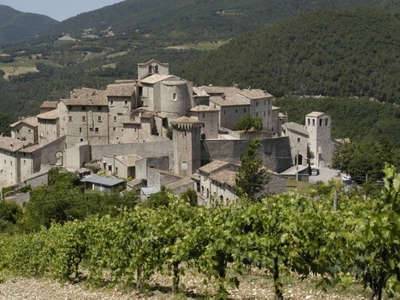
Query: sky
59	10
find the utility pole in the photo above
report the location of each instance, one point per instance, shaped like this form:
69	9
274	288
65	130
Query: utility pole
297	166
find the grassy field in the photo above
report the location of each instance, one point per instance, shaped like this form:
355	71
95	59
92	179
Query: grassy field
199	46
22	65
302	187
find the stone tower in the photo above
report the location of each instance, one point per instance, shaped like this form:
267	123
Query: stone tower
187	147
318	125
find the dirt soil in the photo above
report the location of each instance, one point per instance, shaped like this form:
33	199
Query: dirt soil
252	288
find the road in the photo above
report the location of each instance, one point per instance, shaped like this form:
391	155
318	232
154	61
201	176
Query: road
325	174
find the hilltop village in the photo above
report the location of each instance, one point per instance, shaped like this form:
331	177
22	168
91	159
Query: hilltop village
125	131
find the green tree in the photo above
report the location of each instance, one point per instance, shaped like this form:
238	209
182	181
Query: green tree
245	123
252	176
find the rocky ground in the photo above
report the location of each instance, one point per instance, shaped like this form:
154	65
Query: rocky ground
251	288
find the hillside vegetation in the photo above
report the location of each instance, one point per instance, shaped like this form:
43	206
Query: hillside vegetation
196	20
16	26
332	52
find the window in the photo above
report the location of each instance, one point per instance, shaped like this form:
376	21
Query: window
140	90
244	110
174	96
17	130
10	162
99	118
83	108
308	122
114	129
83	118
236	110
204	115
256	103
111	103
80	129
29	131
70	118
5	161
224	111
320	122
298	140
24	162
313	122
81	139
96	129
116	170
156	69
98	107
115	118
326	122
126	103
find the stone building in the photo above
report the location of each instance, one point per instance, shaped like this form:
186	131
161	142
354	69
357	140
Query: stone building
318	125
186	143
84	117
209	117
25	130
299	139
49	126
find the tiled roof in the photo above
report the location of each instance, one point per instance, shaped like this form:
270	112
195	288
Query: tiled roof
201	108
185	120
200	92
87	97
50	115
49	104
31	149
10	144
255	94
229	100
128	160
121	89
315	114
179	183
152	79
291	126
210	89
110	182
31	121
224	176
213	166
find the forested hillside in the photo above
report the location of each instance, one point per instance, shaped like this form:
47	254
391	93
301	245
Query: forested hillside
17	26
196	20
340	52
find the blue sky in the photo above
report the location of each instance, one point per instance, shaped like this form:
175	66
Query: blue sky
57	9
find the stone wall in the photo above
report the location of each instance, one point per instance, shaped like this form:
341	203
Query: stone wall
275	152
148	149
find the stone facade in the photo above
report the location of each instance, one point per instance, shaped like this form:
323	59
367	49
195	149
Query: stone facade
318	125
25	130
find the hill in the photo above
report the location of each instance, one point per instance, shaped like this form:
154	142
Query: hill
16	26
196	20
332	52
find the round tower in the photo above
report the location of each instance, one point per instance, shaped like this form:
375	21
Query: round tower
186	143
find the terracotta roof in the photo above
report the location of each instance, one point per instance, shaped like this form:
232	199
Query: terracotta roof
87	97
31	121
49	104
10	144
224	176
213	166
50	115
291	126
255	94
128	160
315	114
201	108
121	89
152	79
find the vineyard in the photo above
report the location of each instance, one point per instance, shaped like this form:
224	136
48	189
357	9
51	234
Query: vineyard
343	242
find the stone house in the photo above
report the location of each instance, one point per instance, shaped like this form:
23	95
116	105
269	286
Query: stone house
299	139
125	165
209	117
10	172
25	130
84	117
49	126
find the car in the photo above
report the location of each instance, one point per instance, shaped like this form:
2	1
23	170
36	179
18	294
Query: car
314	172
